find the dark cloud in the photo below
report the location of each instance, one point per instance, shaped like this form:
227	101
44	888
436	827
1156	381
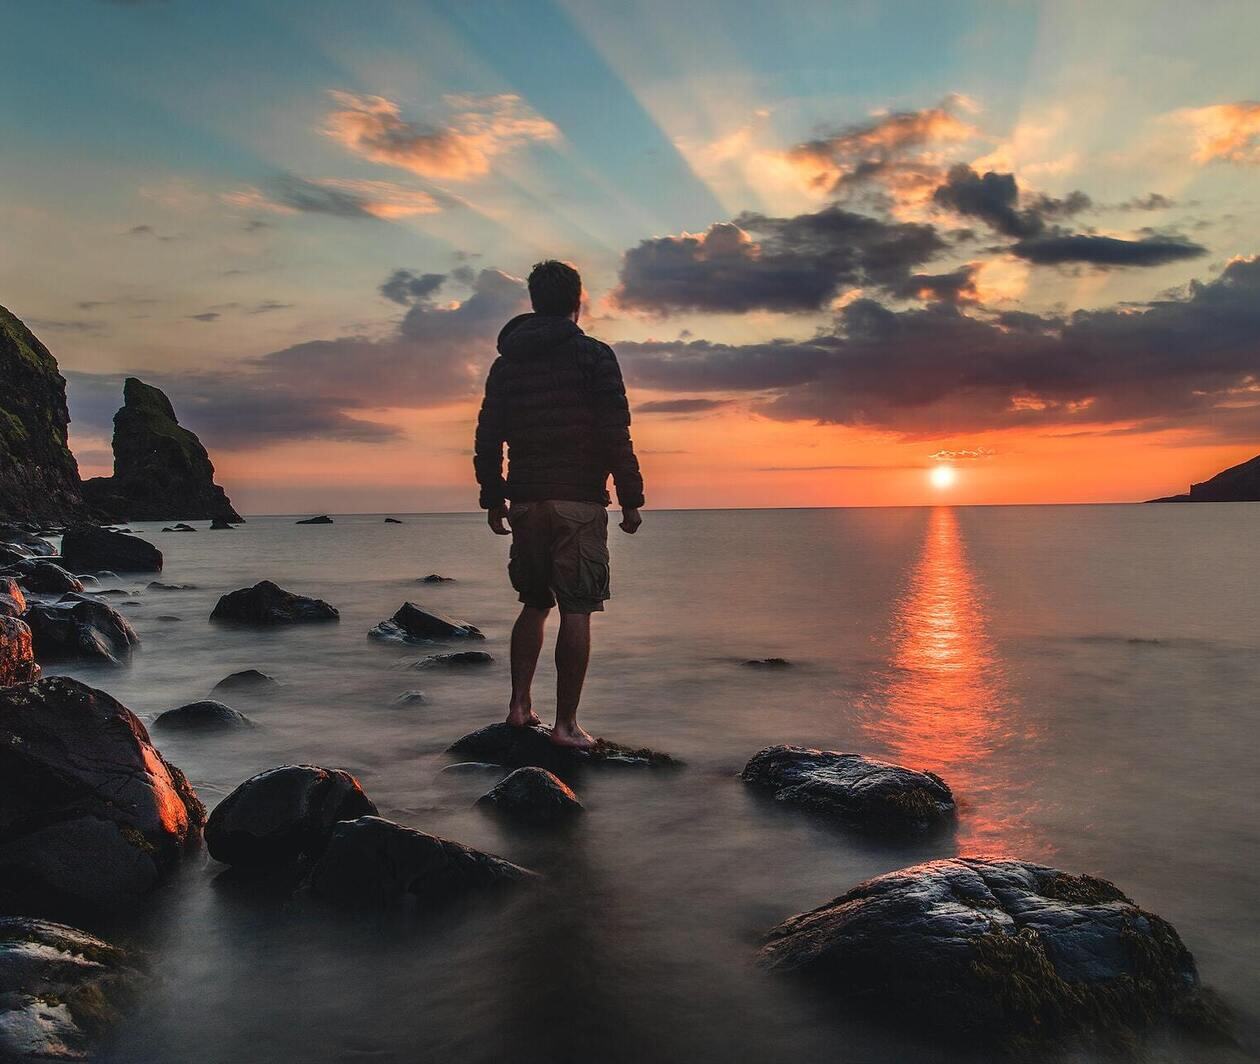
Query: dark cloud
1152	201
405	287
681	406
1055	249
1190	361
299	194
993	198
762	263
207	315
957	286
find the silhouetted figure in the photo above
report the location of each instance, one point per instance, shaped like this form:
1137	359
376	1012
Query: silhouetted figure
556	398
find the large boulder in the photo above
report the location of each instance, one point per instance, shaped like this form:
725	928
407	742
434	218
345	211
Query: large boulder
89	549
161	470
12	601
247	681
80	627
266	603
515	747
39	478
205	715
857	791
375	863
17	652
45	577
992	950
60	989
532	795
413	624
91	815
283	814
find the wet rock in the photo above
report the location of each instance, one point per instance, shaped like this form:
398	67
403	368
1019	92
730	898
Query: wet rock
768	663
413	624
205	715
458	660
375	863
12	554
472	768
35	545
111	592
87	548
513	747
266	604
283	814
157	585
249	681
392	521
323	519
410	698
220	525
857	791
12	601
532	795
79	627
60	989
92	816
17	652
992	950
45	577
434	578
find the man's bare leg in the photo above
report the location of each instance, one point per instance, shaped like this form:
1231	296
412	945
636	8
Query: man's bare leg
527	641
573	651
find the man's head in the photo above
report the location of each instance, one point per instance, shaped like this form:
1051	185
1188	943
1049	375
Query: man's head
555	288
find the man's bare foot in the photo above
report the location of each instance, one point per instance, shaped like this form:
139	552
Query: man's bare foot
522	717
573	736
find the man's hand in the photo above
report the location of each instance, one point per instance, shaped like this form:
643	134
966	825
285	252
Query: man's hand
496	517
630	520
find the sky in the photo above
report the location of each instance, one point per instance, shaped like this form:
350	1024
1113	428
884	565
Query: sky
835	245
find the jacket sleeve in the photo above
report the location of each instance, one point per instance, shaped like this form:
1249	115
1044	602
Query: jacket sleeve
612	423
488	447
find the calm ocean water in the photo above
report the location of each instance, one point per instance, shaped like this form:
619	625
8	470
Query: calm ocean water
1087	679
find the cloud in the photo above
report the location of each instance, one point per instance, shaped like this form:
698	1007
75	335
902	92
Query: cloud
1192	361
681	406
1056	249
478	129
1223	132
208	315
404	287
946	455
1152	201
339	197
957	286
780	264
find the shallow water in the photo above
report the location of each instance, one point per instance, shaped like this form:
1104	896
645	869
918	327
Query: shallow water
1087	679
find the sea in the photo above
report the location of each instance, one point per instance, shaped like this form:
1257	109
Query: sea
1086	678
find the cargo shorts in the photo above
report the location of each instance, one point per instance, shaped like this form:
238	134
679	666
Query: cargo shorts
560	554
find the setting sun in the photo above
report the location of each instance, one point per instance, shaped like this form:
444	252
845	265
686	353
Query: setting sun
943	476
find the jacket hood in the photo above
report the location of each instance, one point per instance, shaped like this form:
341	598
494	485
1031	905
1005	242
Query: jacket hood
528	335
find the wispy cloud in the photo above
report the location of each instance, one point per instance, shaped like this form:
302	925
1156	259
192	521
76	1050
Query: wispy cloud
1225	132
340	197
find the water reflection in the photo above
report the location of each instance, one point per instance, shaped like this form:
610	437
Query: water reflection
943	705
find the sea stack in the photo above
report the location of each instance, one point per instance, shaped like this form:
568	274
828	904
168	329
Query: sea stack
39	478
161	470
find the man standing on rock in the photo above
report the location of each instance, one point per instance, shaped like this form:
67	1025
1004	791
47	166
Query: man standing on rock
556	398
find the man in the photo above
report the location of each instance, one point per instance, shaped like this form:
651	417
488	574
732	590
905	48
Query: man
555	397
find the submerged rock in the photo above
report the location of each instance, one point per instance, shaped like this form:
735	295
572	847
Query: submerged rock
266	603
17	652
532	795
413	624
858	791
205	715
12	601
513	747
157	585
46	577
87	548
92	817
60	989
322	519
79	627
283	814
768	663
219	524
392	521
995	950
250	681
410	698
457	660
434	578
375	863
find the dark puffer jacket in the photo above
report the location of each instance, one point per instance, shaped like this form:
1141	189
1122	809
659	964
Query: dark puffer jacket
555	397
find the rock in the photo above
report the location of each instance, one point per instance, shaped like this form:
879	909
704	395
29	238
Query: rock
12	601
34	545
250	681
161	470
13	554
283	814
472	768
111	592
220	525
265	603
768	663
39	478
323	519
167	618
857	791
17	652
392	521
513	747
1240	483
434	578
78	627
205	715
456	660
413	624
87	548
995	950
48	578
532	795
91	815
409	698
157	585
374	863
60	989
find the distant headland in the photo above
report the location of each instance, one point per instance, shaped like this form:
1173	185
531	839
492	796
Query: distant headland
1240	483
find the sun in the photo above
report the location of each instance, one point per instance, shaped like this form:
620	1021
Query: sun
943	476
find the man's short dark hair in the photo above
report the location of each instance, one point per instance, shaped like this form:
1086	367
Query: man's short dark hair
555	288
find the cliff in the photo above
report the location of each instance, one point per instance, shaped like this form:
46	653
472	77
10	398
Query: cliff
39	478
161	470
1240	483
